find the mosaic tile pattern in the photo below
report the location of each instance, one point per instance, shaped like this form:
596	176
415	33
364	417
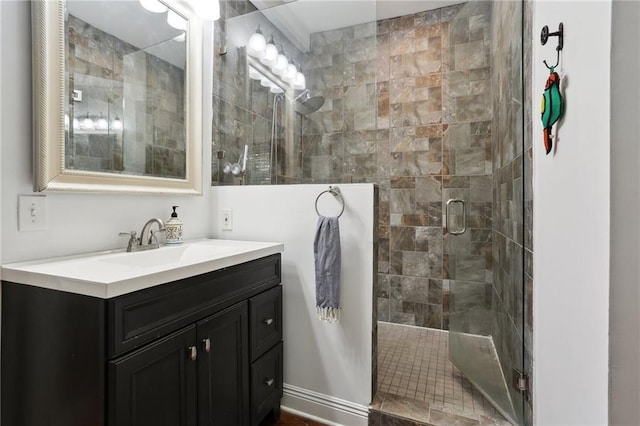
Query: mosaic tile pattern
418	383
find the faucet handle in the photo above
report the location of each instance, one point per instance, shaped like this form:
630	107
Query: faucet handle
152	237
133	241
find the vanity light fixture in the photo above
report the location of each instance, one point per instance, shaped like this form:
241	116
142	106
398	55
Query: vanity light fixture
209	10
281	65
116	124
102	123
257	44
153	6
290	74
176	21
286	72
180	38
300	83
265	82
270	54
87	123
254	74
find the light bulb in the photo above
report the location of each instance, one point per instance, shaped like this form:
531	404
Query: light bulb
291	74
176	21
66	121
265	82
254	74
256	44
281	65
209	10
300	82
87	123
276	89
102	123
270	54
153	6
180	38
76	123
116	124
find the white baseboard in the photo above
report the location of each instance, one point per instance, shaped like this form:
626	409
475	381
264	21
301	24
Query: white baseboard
323	408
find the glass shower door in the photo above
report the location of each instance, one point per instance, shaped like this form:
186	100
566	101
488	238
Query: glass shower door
483	204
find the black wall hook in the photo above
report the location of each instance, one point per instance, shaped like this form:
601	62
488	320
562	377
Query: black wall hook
544	37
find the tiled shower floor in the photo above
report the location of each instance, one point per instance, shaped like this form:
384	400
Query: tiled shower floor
417	381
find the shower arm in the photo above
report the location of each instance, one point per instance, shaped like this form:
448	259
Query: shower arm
305	92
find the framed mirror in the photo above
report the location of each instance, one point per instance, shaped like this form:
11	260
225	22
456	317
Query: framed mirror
117	96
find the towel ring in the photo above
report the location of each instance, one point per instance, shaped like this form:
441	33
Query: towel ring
335	191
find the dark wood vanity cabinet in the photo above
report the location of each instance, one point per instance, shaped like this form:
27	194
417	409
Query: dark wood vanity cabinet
202	351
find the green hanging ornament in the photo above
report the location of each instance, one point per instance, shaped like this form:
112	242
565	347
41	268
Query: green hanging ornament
552	106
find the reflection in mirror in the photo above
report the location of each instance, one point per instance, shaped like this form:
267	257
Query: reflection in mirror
125	75
118	102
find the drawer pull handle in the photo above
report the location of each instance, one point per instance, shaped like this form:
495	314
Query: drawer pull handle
193	353
268	321
269	382
206	344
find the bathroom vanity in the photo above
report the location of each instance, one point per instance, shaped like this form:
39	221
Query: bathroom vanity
196	342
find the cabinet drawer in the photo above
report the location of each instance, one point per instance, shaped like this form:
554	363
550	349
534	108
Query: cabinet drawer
266	383
141	317
265	316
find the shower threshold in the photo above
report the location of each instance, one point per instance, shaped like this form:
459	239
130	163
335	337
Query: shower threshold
419	384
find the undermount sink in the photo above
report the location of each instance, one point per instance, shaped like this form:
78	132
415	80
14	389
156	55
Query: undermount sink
166	255
113	273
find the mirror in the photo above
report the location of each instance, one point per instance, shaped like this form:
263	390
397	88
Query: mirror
117	96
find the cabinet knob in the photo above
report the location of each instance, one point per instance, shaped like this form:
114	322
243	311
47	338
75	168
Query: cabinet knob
268	321
206	344
193	353
269	382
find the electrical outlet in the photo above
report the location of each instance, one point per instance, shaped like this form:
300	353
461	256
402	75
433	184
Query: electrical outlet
32	213
226	220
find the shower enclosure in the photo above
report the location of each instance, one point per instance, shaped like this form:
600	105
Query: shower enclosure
429	106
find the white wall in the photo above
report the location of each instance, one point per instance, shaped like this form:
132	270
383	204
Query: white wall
625	223
76	222
571	220
327	369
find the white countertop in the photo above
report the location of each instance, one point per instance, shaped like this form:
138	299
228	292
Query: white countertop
116	272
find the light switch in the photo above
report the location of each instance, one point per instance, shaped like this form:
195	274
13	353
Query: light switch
32	212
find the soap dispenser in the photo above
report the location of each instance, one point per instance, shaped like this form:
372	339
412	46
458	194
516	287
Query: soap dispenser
174	228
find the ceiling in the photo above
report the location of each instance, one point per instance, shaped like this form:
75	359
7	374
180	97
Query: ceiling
129	22
298	19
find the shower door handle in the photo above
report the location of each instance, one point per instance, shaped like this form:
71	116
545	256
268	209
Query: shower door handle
464	217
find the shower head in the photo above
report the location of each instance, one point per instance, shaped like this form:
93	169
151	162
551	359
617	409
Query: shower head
308	104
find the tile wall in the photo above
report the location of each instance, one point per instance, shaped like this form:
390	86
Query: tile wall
509	232
434	140
243	109
126	82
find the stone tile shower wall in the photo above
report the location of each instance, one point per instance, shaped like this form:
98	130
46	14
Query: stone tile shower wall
340	140
509	237
434	98
408	107
243	109
123	81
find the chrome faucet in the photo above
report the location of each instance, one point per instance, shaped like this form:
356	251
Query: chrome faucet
147	239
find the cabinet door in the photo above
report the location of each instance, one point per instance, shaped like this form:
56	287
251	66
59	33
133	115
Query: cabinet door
155	385
223	376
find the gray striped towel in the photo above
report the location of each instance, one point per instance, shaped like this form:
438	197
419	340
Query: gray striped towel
326	249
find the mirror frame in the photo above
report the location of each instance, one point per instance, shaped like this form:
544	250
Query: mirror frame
48	59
